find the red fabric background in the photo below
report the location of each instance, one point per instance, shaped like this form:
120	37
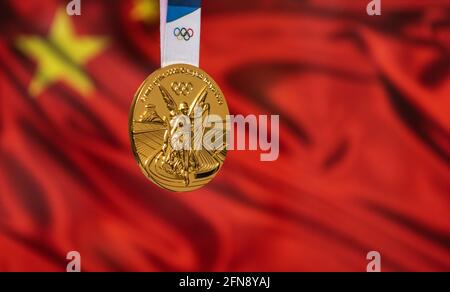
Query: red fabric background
364	105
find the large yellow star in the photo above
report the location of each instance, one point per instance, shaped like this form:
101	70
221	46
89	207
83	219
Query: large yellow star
145	10
61	56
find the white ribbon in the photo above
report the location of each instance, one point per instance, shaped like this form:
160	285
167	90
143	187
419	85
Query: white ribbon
180	34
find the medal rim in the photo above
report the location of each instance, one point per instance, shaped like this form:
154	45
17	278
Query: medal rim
130	125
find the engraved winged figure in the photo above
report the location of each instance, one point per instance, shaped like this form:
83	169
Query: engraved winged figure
176	161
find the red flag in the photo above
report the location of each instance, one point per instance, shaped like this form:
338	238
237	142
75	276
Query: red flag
364	137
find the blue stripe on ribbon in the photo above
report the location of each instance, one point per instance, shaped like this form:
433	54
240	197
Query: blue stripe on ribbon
188	3
180	8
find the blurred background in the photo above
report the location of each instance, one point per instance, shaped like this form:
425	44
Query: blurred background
364	105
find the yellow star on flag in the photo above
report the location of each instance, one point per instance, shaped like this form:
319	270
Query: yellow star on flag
145	10
61	56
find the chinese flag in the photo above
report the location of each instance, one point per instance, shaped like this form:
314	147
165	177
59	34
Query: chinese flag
364	106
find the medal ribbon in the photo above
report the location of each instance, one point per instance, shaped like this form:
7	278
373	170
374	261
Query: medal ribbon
180	32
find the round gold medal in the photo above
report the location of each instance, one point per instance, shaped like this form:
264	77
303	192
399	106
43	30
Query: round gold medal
178	127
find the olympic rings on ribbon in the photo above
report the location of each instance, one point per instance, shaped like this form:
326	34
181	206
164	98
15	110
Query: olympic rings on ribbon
183	33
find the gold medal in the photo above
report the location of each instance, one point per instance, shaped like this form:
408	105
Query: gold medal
178	127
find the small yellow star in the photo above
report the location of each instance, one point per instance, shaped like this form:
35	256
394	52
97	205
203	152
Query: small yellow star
61	56
145	10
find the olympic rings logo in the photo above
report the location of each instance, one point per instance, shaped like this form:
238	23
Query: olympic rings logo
182	88
183	33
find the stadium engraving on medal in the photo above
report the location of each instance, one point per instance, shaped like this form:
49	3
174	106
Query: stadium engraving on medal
178	128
